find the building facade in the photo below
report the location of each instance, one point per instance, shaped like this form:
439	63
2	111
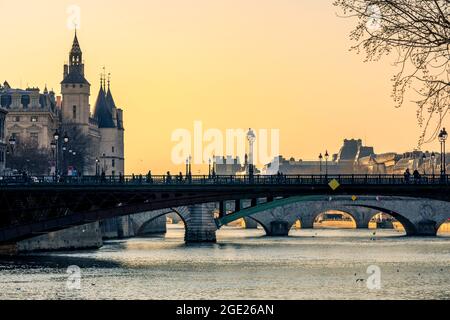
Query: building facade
35	116
104	126
32	115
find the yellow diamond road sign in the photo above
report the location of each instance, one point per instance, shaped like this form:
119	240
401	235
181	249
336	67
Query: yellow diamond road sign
334	184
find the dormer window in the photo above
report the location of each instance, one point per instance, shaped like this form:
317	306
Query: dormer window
25	101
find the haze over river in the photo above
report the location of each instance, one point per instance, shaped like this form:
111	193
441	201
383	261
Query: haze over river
310	264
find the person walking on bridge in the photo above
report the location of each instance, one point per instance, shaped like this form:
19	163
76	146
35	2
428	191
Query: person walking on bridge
416	176
407	175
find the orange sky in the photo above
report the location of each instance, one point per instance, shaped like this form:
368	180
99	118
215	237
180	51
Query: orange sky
281	64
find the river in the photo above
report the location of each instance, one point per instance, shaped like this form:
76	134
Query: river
310	264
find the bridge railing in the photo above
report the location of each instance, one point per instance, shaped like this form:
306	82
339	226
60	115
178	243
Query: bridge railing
343	179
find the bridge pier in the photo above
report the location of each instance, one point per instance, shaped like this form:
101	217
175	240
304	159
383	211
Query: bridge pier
201	226
426	228
278	229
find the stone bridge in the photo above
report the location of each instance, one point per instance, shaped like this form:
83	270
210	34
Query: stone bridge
421	217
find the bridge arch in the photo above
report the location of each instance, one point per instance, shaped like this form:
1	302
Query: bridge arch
418	216
141	221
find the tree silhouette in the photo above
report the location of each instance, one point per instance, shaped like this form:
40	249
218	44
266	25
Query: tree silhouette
27	156
80	143
418	32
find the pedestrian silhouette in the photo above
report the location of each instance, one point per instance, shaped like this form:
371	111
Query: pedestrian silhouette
416	176
407	175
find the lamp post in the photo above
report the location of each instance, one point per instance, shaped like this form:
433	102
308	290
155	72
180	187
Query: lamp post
433	159
326	163
209	168
66	141
56	136
424	158
251	138
53	146
97	161
190	167
12	143
443	135
320	162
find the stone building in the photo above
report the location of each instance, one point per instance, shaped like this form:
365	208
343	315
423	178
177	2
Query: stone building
104	127
33	115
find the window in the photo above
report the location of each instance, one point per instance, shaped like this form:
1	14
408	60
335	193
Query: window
34	119
2	128
25	100
15	136
6	101
2	156
34	137
74	112
17	119
112	149
113	162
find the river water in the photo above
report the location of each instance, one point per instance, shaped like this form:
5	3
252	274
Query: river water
310	264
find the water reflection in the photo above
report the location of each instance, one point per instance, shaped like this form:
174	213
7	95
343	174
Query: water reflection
310	264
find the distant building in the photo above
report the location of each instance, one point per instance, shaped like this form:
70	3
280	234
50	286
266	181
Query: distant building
227	166
344	162
378	163
3	139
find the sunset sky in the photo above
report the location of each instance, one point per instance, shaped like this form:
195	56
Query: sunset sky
282	64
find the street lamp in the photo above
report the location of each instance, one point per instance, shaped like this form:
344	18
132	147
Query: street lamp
190	166
12	143
97	161
433	161
64	148
209	169
424	158
443	135
320	162
55	144
326	162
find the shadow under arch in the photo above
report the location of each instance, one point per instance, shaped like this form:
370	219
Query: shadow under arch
260	224
165	213
409	227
